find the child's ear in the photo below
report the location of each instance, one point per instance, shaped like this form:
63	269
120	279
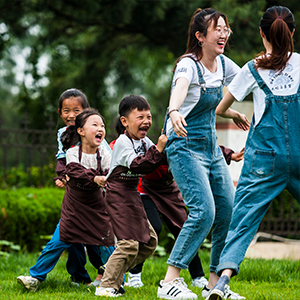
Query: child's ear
123	121
80	131
59	112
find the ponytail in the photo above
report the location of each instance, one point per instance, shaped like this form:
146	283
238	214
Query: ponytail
278	25
70	137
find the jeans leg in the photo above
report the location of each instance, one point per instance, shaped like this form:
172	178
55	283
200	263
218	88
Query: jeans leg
223	193
252	200
192	177
49	257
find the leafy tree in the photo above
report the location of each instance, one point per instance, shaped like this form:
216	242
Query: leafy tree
109	48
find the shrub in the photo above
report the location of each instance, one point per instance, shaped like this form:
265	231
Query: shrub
28	213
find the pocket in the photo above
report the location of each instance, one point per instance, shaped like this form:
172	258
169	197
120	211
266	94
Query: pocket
196	146
263	163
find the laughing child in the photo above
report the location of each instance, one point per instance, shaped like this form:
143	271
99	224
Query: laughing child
134	155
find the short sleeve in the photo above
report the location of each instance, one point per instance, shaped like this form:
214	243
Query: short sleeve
231	70
72	155
185	68
243	84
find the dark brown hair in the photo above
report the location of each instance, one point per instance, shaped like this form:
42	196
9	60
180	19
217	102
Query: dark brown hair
200	21
277	24
71	137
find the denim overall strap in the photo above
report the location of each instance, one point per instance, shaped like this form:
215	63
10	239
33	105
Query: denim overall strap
201	80
258	79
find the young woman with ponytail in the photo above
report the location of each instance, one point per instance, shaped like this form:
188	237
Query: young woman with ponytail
272	152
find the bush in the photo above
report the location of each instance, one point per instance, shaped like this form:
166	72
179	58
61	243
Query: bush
28	213
19	177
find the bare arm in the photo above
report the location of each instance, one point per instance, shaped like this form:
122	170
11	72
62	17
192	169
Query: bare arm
224	110
178	95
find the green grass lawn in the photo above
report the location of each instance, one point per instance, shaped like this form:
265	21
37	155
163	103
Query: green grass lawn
258	280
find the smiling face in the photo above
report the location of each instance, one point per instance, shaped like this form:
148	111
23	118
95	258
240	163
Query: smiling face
137	123
216	38
92	133
71	108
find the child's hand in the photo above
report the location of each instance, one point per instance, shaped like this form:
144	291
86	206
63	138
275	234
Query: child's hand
238	156
59	183
100	180
161	144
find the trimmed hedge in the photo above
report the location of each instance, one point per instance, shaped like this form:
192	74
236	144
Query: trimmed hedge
28	213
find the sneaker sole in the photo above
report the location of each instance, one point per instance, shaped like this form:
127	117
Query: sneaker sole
217	295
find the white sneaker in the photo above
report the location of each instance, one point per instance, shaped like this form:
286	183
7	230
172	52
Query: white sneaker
134	280
30	283
175	289
228	294
200	282
232	295
107	292
95	283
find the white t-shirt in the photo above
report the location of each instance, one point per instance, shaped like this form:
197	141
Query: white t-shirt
186	68
124	152
281	84
89	161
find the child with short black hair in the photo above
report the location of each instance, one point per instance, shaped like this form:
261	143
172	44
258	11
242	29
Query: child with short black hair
134	154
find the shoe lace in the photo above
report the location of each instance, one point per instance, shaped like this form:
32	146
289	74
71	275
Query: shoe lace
182	284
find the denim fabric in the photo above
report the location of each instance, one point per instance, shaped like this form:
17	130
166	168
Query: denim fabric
76	262
49	257
202	176
271	164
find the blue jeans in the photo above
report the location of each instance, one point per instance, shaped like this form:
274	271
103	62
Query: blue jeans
207	189
53	250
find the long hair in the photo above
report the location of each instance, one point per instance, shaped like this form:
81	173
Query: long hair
71	137
277	24
200	21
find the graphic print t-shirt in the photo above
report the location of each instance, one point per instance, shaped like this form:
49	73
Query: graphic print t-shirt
280	83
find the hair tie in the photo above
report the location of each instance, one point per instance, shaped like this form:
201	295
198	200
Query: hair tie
279	18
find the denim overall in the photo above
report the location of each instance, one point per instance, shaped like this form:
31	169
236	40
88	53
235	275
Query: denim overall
271	164
203	178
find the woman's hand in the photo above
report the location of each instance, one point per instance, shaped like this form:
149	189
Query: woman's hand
178	123
100	180
241	121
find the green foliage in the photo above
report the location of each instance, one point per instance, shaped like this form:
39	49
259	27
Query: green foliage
108	49
18	177
6	247
27	213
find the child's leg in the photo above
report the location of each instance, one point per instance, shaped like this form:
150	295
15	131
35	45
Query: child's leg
76	264
118	263
49	257
145	250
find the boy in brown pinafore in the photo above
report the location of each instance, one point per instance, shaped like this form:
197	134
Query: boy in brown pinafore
134	154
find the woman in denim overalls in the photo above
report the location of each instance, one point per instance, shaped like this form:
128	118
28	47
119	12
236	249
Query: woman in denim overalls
272	154
193	154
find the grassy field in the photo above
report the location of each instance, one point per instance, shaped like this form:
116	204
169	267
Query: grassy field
258	280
